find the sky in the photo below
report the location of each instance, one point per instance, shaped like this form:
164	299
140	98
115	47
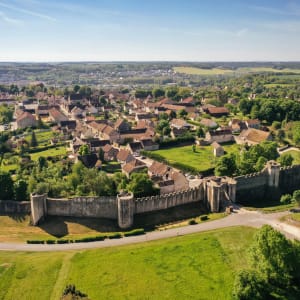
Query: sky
149	30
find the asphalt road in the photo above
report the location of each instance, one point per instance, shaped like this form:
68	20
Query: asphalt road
238	218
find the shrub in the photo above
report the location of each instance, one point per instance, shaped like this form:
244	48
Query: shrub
204	218
62	241
192	222
286	199
34	242
50	241
133	232
116	235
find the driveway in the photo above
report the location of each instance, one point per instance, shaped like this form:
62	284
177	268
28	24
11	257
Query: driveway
240	217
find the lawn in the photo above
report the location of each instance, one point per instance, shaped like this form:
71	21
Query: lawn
198	266
17	229
203	159
295	154
61	150
43	137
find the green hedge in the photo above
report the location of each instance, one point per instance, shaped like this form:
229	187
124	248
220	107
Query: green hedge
116	235
35	242
133	232
186	140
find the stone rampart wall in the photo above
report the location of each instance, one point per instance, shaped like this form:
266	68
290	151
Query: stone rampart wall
289	178
94	207
165	201
13	207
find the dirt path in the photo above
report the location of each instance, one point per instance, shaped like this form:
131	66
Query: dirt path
240	217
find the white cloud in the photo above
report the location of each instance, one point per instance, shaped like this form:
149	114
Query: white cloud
9	20
26	11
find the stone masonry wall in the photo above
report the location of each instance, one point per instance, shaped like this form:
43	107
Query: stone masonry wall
94	207
165	201
13	207
289	179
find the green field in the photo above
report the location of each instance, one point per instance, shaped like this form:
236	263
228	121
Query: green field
198	71
296	155
203	159
61	150
218	71
199	266
43	137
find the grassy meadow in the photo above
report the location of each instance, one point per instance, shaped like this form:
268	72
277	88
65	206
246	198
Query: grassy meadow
198	266
203	159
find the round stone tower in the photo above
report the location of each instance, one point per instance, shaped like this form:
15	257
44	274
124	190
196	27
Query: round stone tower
125	210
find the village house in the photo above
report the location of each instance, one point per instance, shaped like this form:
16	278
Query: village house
121	126
26	119
253	137
179	124
110	153
124	156
218	150
237	125
217	111
56	116
133	166
209	123
219	136
149	145
253	123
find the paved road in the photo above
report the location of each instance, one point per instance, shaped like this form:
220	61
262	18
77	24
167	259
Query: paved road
238	218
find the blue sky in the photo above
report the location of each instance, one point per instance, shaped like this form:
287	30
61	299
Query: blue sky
133	30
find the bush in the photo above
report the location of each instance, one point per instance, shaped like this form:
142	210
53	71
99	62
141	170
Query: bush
50	242
133	232
286	199
116	235
63	241
34	242
91	239
204	218
192	222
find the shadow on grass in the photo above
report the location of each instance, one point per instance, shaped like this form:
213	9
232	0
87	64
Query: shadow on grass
59	226
18	217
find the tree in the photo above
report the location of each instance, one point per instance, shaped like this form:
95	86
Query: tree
84	150
286	199
141	186
226	165
249	285
194	148
200	132
286	160
33	141
20	188
101	154
158	92
182	113
7	186
296	196
42	162
260	164
274	256
76	88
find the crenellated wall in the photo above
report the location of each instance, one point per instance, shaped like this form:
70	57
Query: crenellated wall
165	201
212	194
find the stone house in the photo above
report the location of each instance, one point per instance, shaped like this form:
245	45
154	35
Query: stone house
133	166
179	124
110	153
121	126
149	145
56	116
26	119
217	111
253	137
253	123
219	136
124	156
218	150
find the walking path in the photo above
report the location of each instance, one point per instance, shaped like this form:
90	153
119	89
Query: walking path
240	217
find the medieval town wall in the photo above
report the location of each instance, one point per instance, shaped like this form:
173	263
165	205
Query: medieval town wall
94	207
